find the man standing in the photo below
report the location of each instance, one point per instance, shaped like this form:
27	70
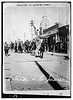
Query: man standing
15	46
42	49
6	48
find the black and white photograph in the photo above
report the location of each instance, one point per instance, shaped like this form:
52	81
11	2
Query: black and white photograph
36	49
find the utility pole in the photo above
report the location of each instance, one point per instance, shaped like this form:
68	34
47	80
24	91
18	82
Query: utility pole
24	37
59	15
14	34
31	24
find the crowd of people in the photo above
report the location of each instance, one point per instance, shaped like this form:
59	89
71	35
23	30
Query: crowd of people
25	47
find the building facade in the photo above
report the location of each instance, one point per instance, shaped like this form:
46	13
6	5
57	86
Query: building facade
56	38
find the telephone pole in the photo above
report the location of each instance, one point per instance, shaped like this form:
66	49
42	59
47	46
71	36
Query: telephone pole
24	37
31	24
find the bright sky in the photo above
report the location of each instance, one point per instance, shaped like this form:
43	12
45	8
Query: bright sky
17	18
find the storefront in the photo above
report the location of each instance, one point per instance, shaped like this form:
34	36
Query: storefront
49	36
56	39
64	38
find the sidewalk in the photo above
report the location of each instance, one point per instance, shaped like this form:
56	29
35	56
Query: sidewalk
57	54
57	67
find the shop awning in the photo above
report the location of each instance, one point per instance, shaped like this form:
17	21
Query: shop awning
46	35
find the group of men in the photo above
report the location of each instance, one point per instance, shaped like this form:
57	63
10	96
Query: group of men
27	46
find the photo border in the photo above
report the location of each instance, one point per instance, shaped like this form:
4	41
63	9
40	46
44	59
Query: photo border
27	95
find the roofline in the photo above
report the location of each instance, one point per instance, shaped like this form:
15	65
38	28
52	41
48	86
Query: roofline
52	27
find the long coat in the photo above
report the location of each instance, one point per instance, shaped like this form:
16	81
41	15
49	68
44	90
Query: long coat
42	47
